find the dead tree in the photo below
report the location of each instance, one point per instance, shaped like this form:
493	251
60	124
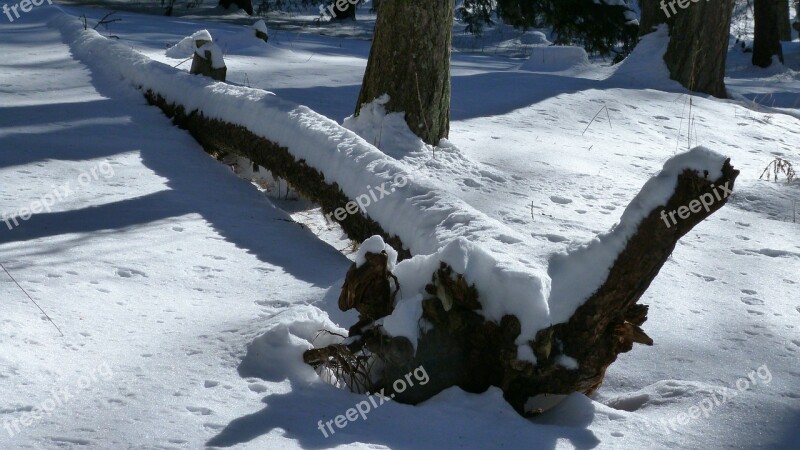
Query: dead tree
461	348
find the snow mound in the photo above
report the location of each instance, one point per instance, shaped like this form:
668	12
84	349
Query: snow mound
645	66
261	26
186	46
534	38
277	354
555	59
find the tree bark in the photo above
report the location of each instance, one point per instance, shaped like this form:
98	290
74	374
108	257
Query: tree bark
767	39
219	138
698	46
651	17
460	348
410	61
784	25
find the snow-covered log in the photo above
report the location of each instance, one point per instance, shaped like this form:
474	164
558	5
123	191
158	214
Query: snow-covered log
458	346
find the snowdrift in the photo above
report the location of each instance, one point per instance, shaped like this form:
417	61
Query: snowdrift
555	58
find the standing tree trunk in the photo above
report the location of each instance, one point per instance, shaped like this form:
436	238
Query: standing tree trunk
784	25
698	46
767	40
652	16
410	61
796	23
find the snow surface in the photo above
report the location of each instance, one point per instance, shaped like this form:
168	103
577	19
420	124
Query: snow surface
200	295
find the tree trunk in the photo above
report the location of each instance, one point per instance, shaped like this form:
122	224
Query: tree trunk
784	25
652	16
246	5
460	348
767	39
410	61
796	23
698	46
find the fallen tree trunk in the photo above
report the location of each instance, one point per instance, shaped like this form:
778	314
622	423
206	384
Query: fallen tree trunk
219	138
458	347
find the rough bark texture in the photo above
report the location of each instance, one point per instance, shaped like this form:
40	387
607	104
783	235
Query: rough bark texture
219	138
767	36
651	17
203	66
461	349
410	61
784	25
698	46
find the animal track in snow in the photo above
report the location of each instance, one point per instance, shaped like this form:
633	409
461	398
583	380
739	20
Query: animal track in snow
752	301
129	273
560	200
199	410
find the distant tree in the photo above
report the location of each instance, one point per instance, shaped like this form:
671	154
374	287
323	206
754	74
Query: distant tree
410	61
246	5
600	27
784	25
651	16
698	46
767	37
796	23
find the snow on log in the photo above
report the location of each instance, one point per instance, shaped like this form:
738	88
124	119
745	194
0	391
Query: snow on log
453	330
478	304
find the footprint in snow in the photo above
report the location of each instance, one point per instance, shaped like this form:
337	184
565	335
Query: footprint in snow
129	273
704	277
749	292
211	383
506	239
560	200
199	410
257	388
752	301
469	182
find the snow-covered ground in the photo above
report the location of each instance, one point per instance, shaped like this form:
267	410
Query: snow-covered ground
186	296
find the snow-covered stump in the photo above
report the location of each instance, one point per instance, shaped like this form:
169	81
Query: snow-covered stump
457	346
261	31
208	60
